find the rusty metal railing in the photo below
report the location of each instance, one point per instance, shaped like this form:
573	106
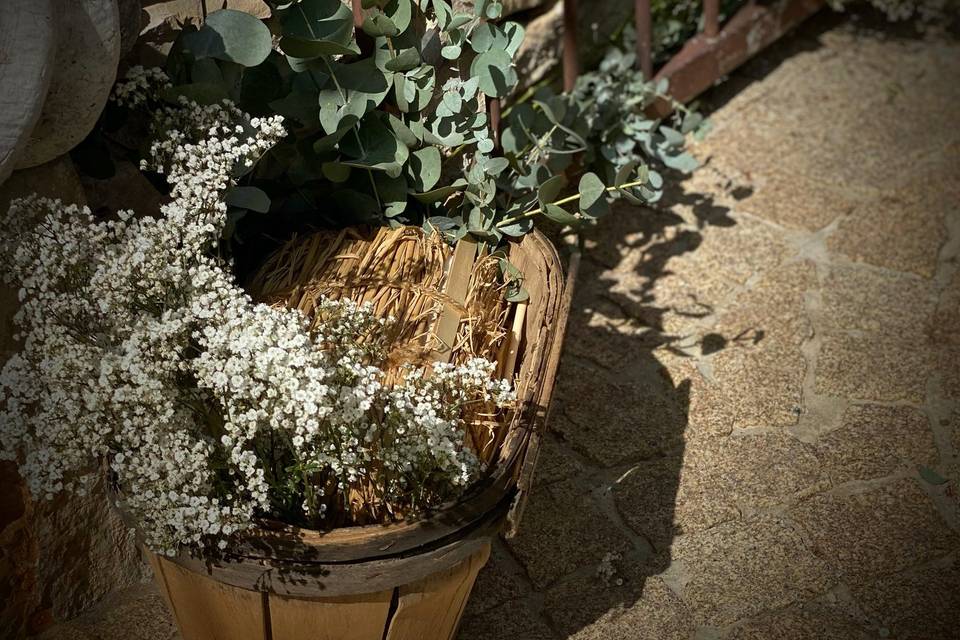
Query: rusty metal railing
706	57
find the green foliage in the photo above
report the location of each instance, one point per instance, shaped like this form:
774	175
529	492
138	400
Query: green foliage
602	128
675	21
387	124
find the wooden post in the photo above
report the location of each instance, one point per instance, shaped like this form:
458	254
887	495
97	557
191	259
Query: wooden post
644	27
571	64
711	18
357	13
493	112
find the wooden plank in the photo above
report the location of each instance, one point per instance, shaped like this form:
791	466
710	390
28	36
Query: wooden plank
458	283
432	607
359	617
209	610
705	59
532	453
158	577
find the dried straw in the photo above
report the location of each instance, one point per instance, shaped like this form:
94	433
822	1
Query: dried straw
403	273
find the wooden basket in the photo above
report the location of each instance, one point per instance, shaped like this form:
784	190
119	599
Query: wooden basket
405	581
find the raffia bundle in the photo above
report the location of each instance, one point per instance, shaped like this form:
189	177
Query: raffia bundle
404	274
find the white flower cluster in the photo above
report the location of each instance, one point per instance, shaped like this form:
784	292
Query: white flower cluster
899	10
139	348
139	85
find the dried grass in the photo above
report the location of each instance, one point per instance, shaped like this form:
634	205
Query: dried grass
404	274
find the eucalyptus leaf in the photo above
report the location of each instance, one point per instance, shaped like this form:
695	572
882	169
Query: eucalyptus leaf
495	73
372	145
354	90
517	294
551	188
425	165
400	12
234	36
441	193
518	229
515	33
206	71
335	171
559	215
488	36
378	24
311	49
319	21
405	61
250	198
593	201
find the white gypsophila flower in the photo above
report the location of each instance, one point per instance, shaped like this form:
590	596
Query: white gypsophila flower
139	347
139	85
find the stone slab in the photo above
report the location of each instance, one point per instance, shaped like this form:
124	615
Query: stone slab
641	607
563	530
717	480
647	419
511	621
873	368
920	604
738	570
877	301
875	441
901	230
809	622
877	531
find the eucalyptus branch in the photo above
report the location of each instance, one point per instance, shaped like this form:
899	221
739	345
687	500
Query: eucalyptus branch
530	214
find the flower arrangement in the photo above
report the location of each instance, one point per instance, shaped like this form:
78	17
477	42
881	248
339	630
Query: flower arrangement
211	410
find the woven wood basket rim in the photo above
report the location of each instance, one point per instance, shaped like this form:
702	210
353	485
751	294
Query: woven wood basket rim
478	515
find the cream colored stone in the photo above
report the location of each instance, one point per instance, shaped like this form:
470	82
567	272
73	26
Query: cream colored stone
872	532
28	32
740	569
876	441
88	51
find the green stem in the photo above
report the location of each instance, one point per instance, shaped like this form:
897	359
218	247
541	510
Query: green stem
529	214
356	134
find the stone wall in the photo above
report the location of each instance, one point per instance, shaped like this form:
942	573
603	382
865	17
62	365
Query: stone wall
56	558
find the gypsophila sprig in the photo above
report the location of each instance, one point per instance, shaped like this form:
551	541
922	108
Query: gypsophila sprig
211	411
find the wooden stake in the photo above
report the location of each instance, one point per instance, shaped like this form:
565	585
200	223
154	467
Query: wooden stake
458	282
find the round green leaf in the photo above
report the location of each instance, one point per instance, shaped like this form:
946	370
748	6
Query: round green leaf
515	33
378	24
233	36
559	215
488	36
401	13
494	9
424	168
319	20
550	189
372	145
250	198
593	201
494	71
406	60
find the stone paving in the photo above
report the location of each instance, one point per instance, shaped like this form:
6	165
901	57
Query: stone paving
757	433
